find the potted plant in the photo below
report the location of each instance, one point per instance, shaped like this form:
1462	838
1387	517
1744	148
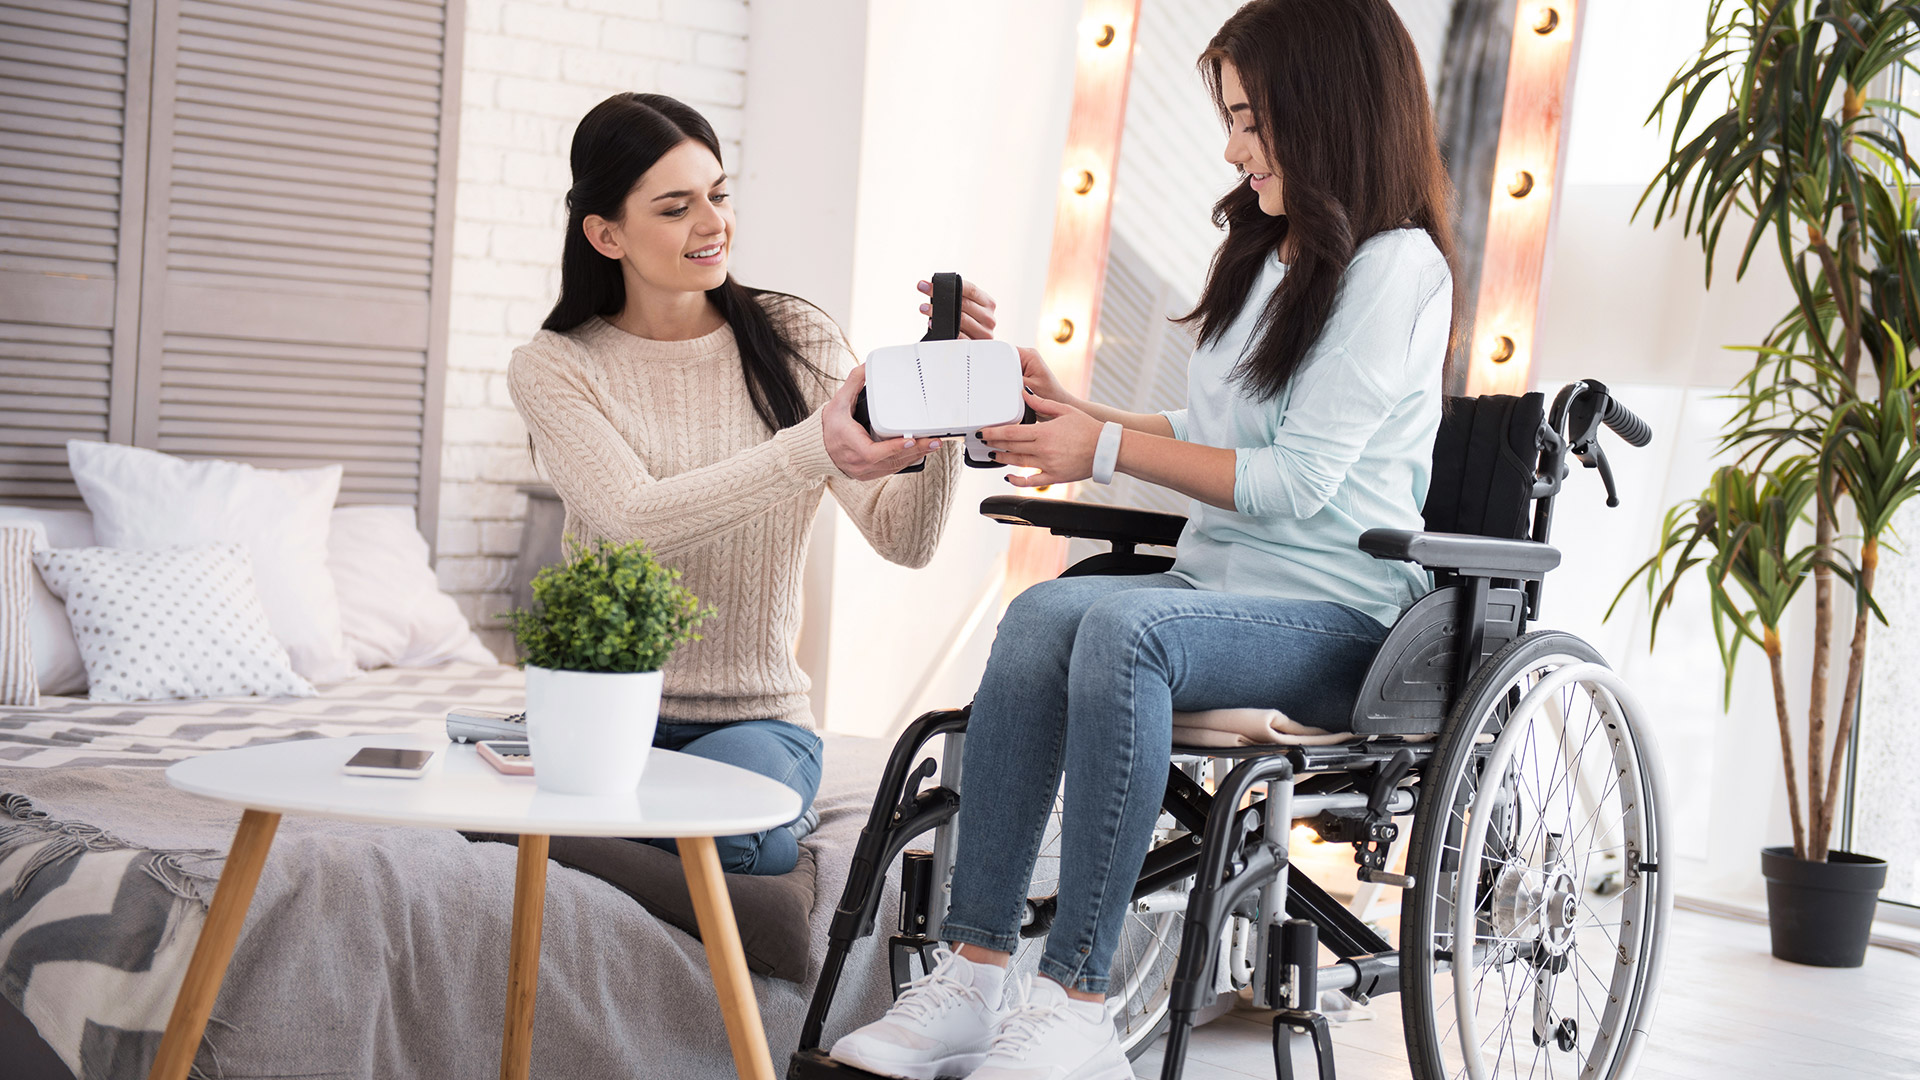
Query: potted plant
1823	438
603	623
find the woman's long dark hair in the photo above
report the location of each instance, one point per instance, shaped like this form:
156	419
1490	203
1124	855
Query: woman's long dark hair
615	144
1340	106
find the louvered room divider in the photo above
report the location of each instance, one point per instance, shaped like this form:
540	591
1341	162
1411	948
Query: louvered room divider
225	231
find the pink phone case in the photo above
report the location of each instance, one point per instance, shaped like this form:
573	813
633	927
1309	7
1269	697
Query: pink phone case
512	765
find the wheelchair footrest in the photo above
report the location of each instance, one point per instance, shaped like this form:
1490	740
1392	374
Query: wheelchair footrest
816	1065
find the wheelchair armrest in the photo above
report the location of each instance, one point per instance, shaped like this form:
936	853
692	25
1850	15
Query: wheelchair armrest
1093	521
1462	553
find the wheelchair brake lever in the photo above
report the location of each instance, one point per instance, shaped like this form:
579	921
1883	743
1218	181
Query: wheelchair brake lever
1595	457
1387	776
911	790
1370	851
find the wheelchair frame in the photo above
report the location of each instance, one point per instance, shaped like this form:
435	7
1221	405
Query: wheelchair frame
1233	845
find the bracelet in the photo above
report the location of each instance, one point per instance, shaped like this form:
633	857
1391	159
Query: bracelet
1106	453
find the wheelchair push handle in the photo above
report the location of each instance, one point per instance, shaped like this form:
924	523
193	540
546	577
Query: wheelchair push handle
1580	410
1626	424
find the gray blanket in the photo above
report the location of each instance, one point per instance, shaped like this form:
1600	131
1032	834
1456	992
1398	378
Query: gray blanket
370	951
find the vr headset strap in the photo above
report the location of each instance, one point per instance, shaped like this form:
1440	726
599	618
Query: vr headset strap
944	323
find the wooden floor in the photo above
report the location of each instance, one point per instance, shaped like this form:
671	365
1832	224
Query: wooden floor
1728	1009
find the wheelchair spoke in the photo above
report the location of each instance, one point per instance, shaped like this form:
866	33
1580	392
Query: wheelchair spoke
1553	888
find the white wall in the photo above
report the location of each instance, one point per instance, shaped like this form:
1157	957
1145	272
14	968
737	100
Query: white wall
1627	304
796	200
532	69
964	122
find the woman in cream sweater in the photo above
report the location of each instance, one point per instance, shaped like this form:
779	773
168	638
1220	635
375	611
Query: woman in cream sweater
668	403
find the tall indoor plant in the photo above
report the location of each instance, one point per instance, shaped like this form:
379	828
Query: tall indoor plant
603	623
1823	438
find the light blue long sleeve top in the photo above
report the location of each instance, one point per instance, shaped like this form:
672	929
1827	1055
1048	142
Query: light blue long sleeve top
1345	447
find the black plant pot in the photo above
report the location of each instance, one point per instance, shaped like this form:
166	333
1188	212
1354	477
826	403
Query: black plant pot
1821	913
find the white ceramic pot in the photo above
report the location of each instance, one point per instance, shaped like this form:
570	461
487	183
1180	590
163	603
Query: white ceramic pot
590	731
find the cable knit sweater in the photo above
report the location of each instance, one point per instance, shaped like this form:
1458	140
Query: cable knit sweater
659	441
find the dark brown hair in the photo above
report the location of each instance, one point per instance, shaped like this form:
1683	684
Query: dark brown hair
1340	106
615	144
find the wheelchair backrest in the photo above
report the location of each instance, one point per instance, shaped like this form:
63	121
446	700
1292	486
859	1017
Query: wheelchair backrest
1484	462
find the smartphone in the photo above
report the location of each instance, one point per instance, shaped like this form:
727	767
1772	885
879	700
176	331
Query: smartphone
511	756
387	761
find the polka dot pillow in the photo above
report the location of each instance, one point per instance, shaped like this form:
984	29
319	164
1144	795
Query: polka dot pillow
183	623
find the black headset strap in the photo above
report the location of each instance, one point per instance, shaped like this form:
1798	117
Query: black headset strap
944	323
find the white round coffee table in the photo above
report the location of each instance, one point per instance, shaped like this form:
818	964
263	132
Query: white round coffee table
689	799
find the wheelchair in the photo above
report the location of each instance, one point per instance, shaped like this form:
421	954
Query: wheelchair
1522	768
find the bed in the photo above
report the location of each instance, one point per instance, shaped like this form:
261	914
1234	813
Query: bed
368	951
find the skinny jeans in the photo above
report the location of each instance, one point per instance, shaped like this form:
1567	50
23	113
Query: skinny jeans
1082	681
785	752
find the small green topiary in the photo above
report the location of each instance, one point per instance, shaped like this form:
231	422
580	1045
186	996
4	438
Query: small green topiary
608	608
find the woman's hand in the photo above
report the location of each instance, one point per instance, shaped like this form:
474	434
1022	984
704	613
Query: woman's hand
1060	446
1040	379
856	453
976	310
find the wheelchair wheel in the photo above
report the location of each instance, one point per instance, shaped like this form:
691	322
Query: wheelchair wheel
1141	980
1530	943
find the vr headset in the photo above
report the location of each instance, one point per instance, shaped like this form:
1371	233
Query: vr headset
943	385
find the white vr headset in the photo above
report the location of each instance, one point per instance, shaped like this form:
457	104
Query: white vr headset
941	388
943	385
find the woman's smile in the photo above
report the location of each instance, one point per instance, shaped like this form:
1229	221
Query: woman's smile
712	255
1257	180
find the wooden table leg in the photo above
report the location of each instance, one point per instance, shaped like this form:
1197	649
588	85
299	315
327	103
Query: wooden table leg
708	886
523	958
210	955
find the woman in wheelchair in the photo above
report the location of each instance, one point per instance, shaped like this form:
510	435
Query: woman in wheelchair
668	403
1313	401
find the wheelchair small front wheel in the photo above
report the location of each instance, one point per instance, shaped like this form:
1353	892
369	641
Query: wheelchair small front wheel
1531	940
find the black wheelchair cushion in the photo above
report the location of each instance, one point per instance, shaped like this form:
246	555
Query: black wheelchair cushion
1483	465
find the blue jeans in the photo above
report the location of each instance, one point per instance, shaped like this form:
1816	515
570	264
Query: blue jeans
1084	675
786	752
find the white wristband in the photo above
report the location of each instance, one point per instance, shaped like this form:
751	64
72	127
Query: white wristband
1106	453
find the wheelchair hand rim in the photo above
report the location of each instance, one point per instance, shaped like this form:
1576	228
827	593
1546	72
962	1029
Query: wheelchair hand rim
1618	700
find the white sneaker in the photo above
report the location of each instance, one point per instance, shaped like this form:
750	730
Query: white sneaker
1050	1036
939	1027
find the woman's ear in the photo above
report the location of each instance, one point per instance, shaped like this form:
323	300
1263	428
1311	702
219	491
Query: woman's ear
603	236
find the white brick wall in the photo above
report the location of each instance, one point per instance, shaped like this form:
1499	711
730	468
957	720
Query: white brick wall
533	68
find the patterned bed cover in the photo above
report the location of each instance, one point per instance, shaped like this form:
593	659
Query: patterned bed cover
60	879
64	732
367	932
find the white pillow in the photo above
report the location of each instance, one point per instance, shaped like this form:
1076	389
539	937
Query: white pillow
391	606
183	623
18	686
143	500
56	659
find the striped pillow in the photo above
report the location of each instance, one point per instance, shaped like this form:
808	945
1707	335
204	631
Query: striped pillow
17	683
